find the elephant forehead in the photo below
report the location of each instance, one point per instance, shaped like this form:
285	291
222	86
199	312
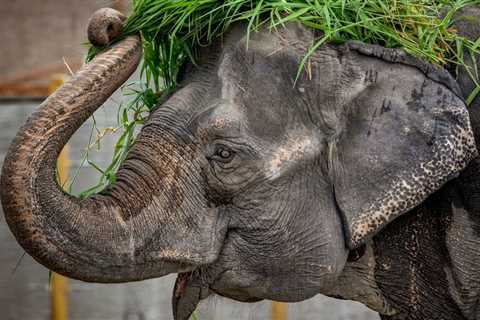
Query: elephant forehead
262	98
224	114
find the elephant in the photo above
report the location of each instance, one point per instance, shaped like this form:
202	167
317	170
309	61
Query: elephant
358	180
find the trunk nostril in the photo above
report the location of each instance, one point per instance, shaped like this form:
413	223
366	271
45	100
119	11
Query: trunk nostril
104	25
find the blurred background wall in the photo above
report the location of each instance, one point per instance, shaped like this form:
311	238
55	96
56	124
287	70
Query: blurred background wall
39	37
40	41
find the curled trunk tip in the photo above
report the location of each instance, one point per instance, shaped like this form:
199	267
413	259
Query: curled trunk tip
105	25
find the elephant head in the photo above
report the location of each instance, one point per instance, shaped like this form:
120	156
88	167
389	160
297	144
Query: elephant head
247	181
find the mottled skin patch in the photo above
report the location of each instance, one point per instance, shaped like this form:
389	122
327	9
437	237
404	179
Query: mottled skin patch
417	183
296	148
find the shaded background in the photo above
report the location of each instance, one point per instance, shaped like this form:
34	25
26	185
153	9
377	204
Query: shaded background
39	42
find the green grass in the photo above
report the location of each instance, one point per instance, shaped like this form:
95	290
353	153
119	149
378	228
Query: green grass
141	101
173	29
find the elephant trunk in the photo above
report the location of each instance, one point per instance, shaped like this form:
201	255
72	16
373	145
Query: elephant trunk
87	239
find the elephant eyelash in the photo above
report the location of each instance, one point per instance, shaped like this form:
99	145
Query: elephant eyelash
237	145
225	164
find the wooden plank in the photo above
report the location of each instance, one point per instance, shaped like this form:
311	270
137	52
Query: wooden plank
35	83
24	90
279	311
59	285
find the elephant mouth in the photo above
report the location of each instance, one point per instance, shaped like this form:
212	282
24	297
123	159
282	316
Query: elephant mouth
181	284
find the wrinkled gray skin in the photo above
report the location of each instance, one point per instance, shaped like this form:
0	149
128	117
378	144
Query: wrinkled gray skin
359	181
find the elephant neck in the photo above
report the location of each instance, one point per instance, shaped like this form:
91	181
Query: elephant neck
407	271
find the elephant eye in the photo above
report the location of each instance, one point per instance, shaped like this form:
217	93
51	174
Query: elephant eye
223	154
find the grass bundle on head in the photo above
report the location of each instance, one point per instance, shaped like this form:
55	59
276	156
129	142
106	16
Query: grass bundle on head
172	30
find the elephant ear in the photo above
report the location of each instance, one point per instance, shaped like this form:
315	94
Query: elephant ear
404	133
